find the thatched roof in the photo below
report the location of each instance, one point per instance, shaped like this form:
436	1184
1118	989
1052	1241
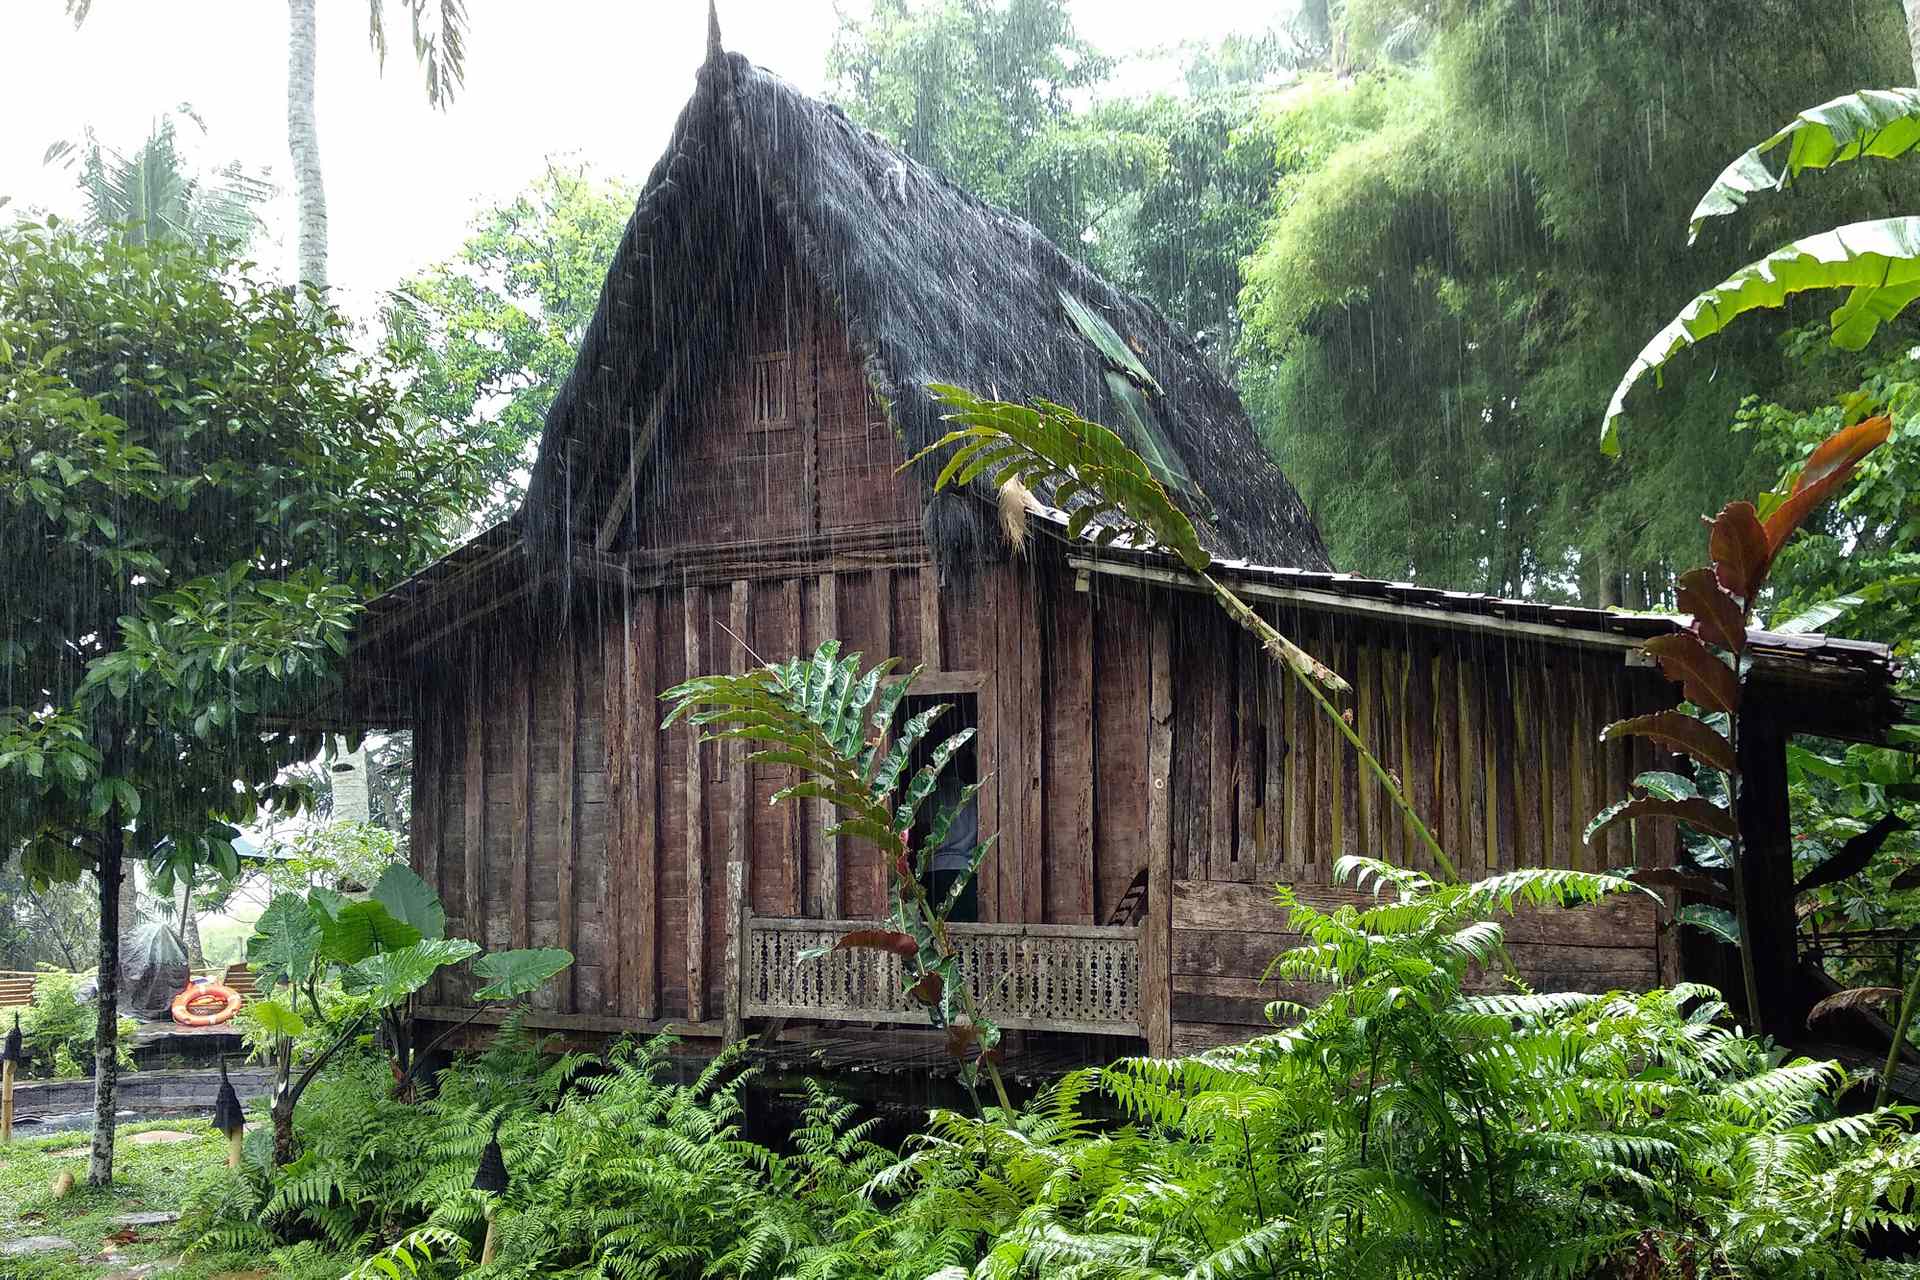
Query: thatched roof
934	285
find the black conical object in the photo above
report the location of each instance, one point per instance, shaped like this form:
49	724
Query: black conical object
492	1173
12	1051
228	1117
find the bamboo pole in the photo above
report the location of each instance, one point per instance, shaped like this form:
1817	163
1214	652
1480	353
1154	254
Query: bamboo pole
6	1101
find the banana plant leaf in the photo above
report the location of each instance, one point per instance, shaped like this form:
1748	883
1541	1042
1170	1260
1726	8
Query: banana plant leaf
1884	123
1879	261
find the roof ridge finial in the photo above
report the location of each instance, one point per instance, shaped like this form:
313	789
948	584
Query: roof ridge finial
714	50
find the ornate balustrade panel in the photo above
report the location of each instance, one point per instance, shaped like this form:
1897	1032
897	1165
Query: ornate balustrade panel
1031	977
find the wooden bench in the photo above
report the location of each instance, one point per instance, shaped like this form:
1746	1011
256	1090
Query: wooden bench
17	988
238	978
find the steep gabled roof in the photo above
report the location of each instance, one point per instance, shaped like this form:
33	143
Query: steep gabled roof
934	286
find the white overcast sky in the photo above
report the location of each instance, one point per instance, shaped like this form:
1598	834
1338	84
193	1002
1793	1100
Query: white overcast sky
598	81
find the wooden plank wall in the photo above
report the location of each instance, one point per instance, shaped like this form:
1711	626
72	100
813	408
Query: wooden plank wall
1496	741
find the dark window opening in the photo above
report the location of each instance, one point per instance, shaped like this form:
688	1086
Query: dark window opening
947	862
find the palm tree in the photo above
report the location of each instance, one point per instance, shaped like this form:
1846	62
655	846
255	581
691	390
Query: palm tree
153	193
439	31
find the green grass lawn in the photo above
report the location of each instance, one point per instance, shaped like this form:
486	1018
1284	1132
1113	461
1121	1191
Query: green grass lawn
146	1178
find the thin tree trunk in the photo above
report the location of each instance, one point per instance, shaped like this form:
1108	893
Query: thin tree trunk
1913	36
106	1032
190	926
303	142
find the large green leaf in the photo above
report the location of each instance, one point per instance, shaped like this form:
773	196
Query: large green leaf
514	973
285	942
276	1017
361	929
391	976
408	898
1879	261
1874	122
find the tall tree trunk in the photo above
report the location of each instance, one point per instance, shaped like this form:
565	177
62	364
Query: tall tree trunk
303	142
1913	36
190	926
106	1030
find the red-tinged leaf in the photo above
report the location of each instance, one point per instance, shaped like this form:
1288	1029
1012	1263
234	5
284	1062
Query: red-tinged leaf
1825	471
1679	731
1717	616
900	944
1852	998
961	1037
1737	545
927	990
1696	811
1707	681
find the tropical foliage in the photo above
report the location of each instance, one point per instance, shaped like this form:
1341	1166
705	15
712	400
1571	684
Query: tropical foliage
369	957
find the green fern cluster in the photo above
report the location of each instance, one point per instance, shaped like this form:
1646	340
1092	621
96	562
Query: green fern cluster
1407	1126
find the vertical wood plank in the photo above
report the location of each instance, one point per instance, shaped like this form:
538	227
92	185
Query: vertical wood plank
1303	791
642	679
1070	755
739	837
1249	770
796	812
568	793
932	650
1423	664
1344	661
1156	941
1446	752
1222	750
1276	801
1365	672
1029	766
1328	747
833	849
429	803
619	762
475	807
696	617
1556	729
1502	853
520	792
1473	760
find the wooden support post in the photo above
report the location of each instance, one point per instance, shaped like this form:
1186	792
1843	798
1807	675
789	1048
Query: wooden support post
739	836
1156	935
6	1101
619	760
432	740
235	1142
1767	833
696	826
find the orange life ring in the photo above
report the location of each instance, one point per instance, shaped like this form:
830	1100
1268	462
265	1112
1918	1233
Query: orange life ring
207	1005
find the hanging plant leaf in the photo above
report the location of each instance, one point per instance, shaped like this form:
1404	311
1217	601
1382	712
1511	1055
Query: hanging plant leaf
1878	260
1873	122
1853	857
900	944
1825	471
1716	921
1852	998
1680	731
1717	616
1737	545
1697	812
1707	681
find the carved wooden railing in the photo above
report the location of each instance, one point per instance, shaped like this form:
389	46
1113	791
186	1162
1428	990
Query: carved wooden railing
1034	977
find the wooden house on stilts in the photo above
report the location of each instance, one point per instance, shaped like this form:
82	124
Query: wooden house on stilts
719	480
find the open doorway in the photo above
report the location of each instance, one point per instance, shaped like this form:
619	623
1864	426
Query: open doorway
949	860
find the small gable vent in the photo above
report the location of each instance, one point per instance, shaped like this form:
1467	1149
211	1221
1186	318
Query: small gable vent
772	389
